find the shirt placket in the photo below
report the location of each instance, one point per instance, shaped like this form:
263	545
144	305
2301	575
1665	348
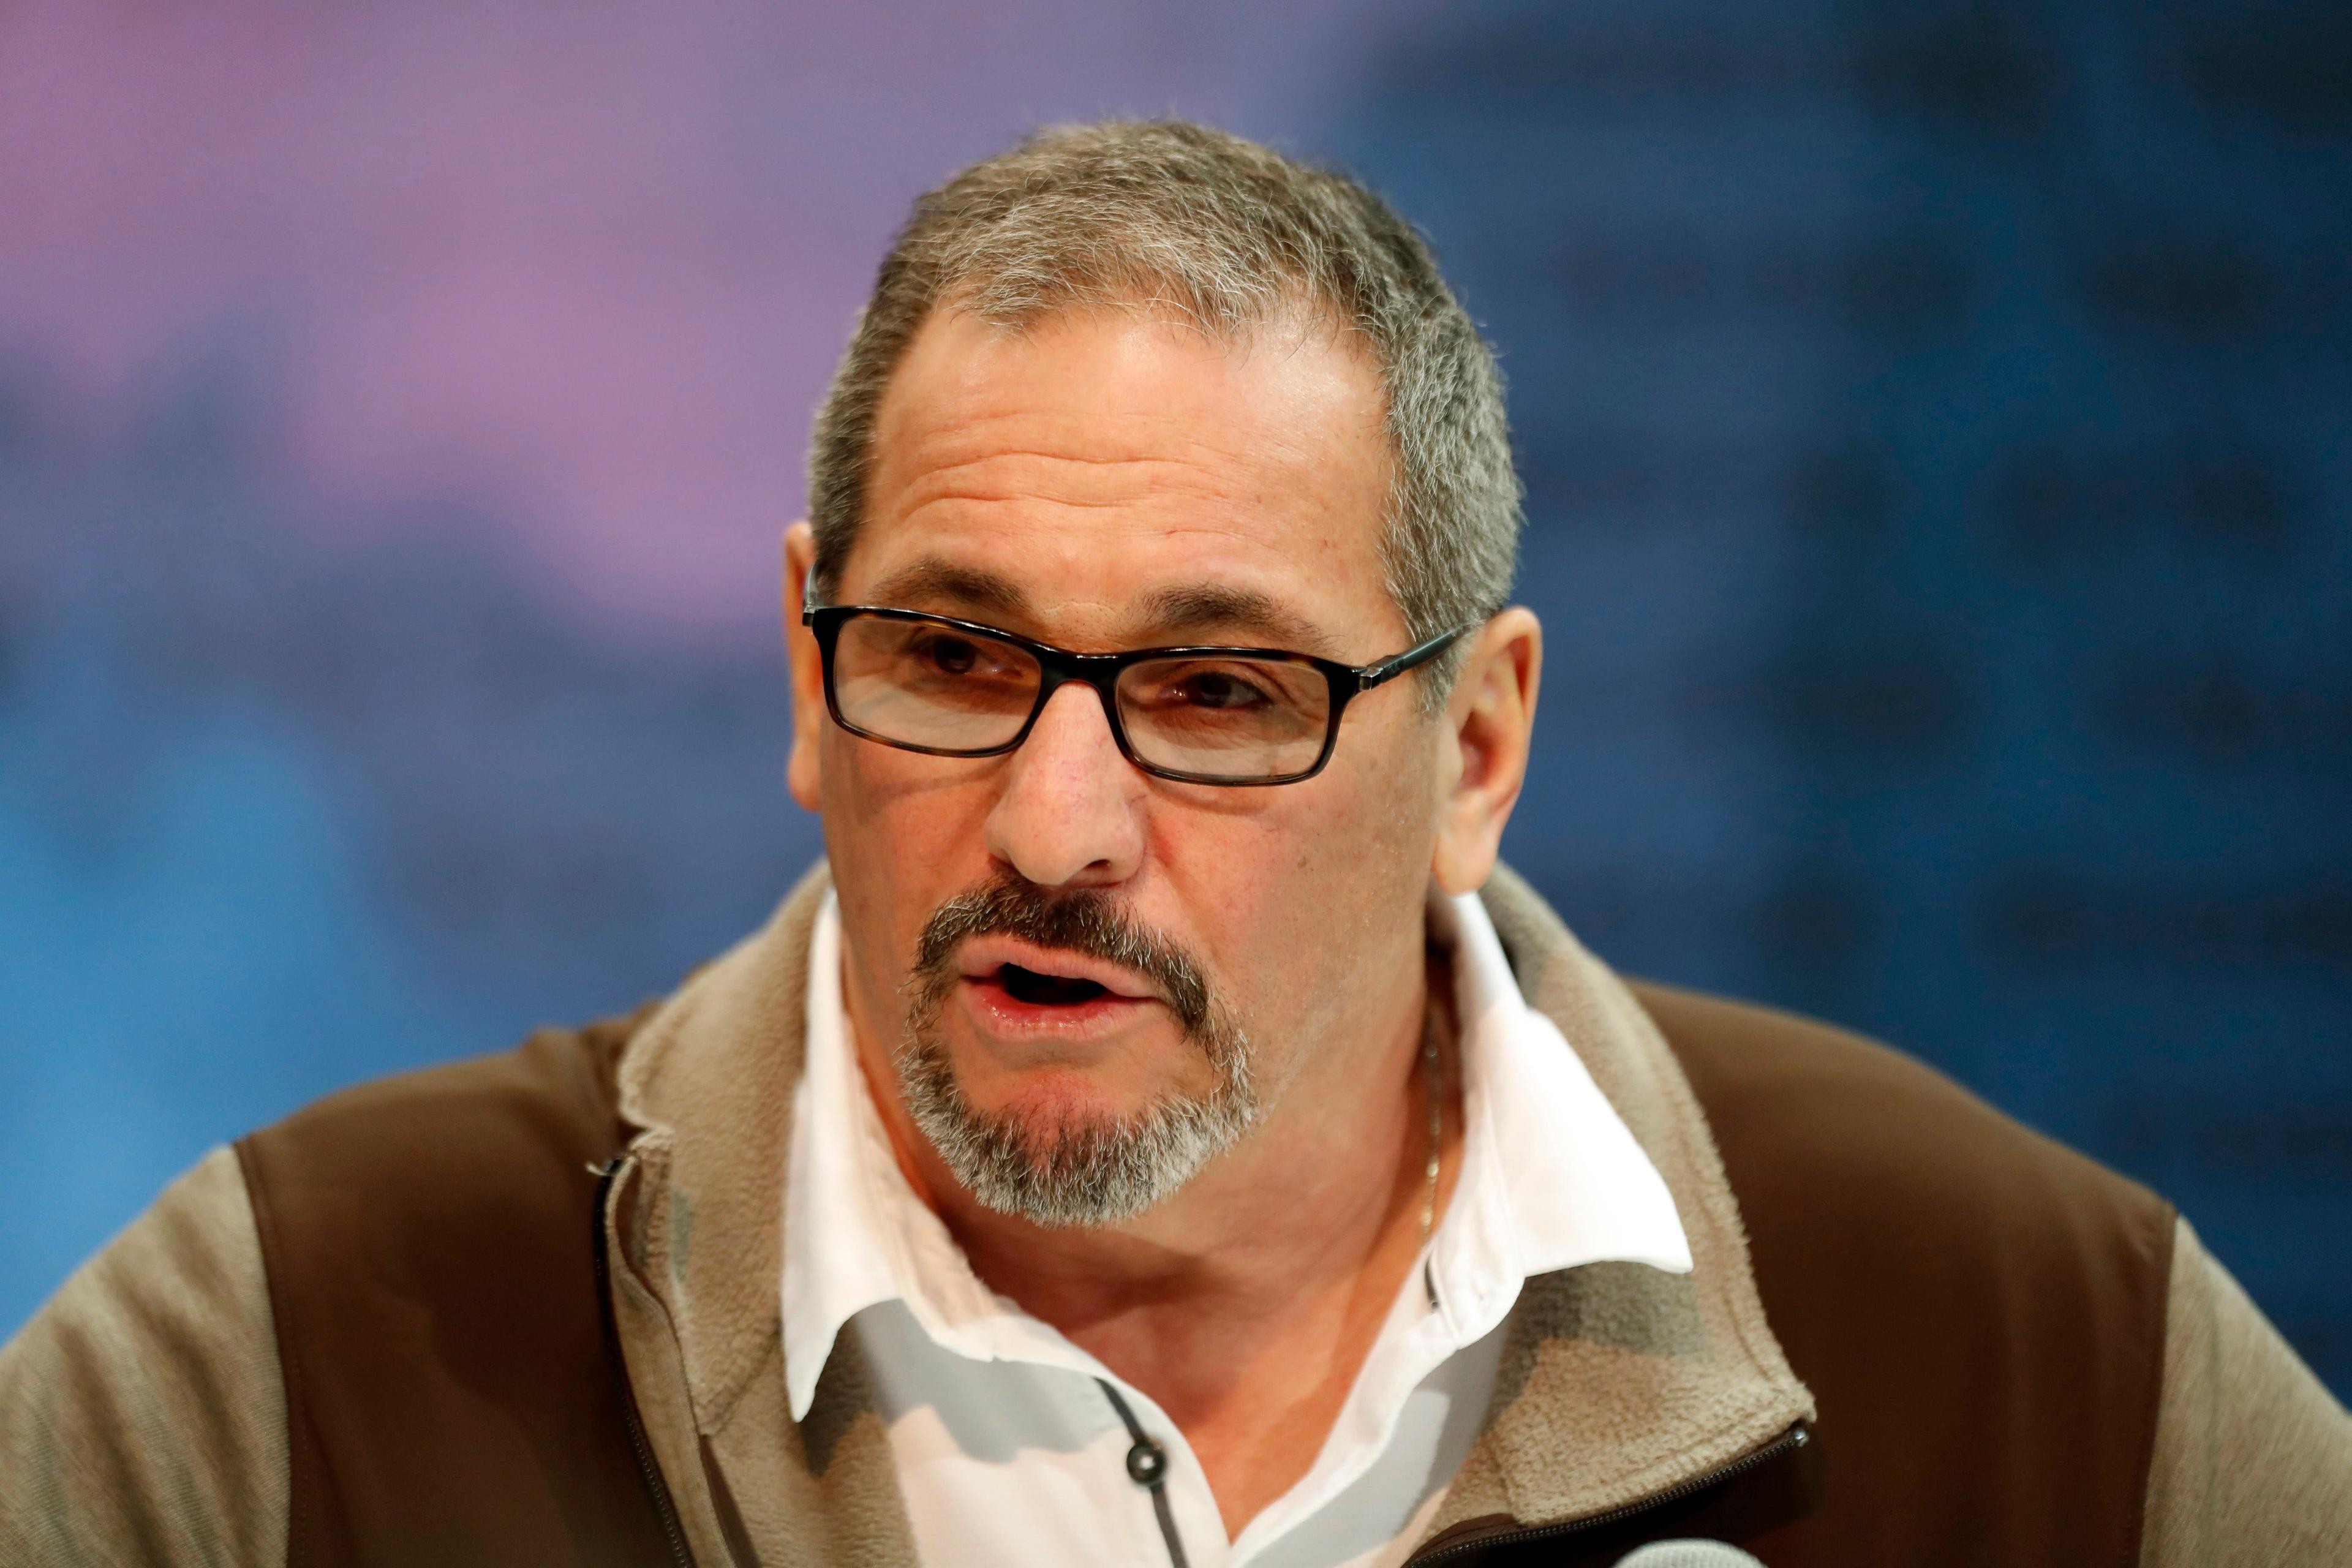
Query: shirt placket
1188	1529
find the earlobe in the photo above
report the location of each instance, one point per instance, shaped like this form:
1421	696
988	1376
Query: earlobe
802	775
1492	717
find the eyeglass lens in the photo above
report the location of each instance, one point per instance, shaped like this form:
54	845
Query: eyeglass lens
946	690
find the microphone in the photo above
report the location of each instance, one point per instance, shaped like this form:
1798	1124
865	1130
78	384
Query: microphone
1688	1554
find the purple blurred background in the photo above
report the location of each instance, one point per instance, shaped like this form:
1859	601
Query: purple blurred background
1934	420
586	271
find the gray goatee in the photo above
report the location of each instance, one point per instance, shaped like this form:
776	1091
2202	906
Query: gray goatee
1090	1173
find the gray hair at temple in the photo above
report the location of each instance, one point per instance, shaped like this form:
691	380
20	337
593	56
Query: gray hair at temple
1167	217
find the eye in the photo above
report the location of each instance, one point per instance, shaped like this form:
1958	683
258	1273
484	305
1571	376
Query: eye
948	654
1219	689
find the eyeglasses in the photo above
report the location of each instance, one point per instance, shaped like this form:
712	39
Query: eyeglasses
1198	715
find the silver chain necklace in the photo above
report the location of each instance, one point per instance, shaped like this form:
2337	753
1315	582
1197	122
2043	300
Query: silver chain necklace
1436	1126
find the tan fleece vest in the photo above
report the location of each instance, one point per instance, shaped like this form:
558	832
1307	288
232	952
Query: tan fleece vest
1978	1312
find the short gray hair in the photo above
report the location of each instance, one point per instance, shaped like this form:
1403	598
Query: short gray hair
1227	235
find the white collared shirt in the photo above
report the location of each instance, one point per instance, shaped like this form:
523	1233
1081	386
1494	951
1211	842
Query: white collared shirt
1009	1451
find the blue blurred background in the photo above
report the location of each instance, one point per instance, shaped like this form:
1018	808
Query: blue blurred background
1936	422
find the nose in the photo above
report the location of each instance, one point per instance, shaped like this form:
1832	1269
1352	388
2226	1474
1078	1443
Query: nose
1070	810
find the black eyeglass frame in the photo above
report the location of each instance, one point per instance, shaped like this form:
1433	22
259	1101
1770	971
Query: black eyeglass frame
1059	666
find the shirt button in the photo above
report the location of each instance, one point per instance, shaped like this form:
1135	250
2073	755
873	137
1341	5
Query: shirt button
1147	1463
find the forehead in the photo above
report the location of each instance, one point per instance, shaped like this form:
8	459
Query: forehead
1105	476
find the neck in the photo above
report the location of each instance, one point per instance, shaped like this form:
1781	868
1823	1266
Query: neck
1245	1304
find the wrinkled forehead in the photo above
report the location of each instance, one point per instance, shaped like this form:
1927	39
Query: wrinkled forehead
1110	475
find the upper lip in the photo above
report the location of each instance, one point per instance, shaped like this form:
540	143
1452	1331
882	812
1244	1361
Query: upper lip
985	955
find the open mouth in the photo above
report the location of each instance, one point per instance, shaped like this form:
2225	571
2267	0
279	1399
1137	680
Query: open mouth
1023	989
1046	990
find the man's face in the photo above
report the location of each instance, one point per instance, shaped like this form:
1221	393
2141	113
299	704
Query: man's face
1106	483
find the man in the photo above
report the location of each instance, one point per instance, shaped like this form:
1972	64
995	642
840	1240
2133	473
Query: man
1161	1132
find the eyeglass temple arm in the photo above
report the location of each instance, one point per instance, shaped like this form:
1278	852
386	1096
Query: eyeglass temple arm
1373	675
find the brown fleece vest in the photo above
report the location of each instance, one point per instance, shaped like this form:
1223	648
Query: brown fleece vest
1979	1311
433	1275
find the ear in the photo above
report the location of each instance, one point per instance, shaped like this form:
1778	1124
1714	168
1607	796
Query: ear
1490	723
801	771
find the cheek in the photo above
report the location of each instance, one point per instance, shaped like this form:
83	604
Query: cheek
1377	825
901	841
1302	902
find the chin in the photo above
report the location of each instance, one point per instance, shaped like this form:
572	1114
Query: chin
1058	1147
1047	1098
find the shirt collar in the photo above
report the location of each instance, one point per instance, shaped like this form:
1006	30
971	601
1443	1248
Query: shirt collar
837	1214
1551	1179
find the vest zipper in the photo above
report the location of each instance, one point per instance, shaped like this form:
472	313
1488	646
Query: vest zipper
1788	1442
648	1468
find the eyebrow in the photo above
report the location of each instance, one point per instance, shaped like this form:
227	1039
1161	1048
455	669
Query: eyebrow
1192	606
932	581
1183	609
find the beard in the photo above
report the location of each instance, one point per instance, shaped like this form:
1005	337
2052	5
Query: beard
1069	1171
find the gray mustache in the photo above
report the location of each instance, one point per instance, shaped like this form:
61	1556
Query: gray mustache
1082	923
